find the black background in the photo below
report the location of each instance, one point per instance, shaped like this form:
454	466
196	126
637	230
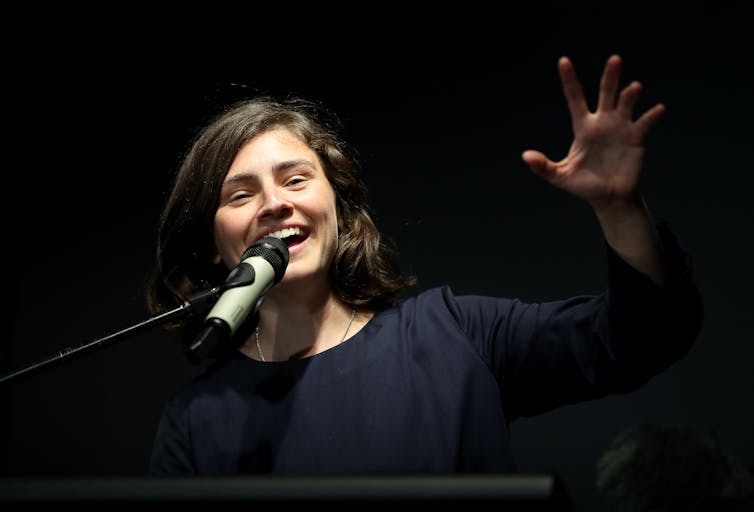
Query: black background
99	107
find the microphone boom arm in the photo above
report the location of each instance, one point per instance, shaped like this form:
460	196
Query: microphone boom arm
271	250
198	303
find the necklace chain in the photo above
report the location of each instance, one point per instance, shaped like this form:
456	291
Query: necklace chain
348	328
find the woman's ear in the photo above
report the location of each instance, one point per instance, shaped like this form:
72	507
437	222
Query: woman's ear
217	260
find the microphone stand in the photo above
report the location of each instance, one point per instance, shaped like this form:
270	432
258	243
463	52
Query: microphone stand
199	302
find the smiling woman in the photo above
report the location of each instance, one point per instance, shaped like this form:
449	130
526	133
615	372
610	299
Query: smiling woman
281	174
276	184
343	371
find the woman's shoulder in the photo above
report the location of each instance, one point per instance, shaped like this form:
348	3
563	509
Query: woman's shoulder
437	294
445	296
442	304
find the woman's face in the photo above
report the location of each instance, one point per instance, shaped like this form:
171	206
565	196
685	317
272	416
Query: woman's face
276	186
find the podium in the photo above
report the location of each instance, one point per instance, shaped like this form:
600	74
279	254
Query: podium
506	492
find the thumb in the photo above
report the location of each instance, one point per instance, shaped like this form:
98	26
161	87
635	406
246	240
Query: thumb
537	161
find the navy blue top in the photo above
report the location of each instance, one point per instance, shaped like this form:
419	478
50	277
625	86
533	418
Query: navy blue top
430	385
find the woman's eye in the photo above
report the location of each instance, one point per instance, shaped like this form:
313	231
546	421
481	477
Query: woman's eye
296	180
239	196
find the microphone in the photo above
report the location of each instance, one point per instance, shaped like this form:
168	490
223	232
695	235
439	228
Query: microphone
262	266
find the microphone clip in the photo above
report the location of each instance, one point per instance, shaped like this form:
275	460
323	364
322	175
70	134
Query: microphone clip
201	302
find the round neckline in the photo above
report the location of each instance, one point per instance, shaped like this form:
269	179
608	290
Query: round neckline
372	323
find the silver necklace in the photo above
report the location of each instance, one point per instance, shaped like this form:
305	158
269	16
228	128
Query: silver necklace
348	327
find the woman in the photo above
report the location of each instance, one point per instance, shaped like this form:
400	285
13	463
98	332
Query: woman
343	374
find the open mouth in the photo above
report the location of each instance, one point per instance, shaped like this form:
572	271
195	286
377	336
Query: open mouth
291	236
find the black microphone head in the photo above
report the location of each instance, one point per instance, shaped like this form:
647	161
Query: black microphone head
273	250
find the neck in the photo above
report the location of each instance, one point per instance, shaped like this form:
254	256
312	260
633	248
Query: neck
296	331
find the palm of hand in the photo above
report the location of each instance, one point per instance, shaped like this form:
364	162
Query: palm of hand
605	159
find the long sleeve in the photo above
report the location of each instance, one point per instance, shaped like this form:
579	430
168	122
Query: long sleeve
548	354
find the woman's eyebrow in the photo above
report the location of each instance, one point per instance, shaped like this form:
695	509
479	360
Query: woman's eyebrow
287	164
280	166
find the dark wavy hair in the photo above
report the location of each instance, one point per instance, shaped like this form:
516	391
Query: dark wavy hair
365	272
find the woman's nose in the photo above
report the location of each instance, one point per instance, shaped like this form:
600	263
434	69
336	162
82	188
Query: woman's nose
275	203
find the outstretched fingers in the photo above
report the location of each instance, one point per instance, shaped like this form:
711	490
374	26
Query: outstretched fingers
649	118
539	163
609	83
627	99
572	89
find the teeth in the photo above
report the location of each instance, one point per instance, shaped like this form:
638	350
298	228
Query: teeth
285	233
